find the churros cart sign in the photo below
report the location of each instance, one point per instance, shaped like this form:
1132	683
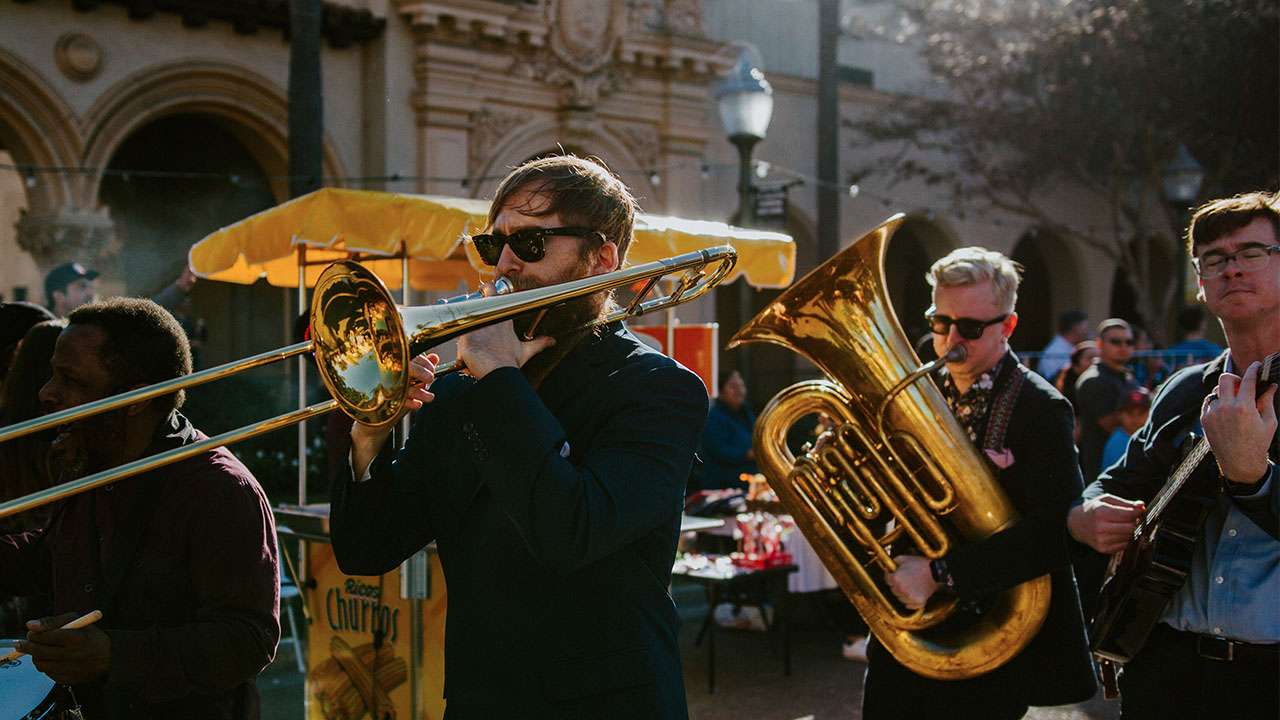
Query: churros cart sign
360	646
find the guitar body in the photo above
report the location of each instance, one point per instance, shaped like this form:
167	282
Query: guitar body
1144	576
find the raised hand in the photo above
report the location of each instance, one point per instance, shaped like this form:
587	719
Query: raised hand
1240	425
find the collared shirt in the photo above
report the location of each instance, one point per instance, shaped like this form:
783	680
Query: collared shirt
1233	586
972	407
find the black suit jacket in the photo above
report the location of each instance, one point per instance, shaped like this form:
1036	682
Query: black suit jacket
556	513
1042	482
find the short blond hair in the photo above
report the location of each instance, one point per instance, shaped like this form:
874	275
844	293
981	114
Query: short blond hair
974	265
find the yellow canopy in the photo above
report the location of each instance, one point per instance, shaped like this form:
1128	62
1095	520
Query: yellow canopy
332	223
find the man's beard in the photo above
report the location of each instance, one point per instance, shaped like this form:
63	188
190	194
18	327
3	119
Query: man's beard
568	323
94	444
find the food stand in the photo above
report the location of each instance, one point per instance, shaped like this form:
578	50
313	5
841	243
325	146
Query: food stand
376	643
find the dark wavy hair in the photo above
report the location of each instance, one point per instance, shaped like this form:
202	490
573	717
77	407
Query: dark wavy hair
144	343
582	190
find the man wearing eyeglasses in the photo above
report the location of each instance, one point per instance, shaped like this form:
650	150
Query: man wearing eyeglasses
1022	426
551	477
1101	390
1215	651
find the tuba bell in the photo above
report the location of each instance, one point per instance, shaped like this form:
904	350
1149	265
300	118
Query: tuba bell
898	468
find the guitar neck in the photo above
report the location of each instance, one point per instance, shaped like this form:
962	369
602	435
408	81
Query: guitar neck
1179	478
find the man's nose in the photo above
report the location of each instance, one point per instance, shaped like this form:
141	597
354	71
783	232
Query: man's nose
47	394
953	335
507	261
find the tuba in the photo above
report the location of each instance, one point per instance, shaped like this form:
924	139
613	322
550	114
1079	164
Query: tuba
897	469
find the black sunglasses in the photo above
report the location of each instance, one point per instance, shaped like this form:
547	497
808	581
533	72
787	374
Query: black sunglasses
528	244
969	328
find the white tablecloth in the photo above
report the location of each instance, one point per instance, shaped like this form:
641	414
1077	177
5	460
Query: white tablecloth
812	575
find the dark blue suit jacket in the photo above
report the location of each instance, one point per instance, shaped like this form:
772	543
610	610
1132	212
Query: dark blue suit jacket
556	513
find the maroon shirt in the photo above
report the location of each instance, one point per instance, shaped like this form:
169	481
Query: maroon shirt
196	616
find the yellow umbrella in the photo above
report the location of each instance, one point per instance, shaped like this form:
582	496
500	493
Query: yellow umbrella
382	228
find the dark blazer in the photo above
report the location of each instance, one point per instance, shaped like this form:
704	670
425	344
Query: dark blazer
556	514
1042	482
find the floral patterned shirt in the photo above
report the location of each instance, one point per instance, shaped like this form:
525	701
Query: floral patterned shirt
972	407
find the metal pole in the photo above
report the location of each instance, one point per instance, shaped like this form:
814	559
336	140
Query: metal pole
828	130
745	217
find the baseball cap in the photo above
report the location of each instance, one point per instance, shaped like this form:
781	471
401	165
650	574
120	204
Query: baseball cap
65	274
1137	397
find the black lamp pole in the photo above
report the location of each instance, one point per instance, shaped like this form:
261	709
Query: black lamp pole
745	217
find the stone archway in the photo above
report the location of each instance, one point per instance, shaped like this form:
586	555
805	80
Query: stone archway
1051	283
248	106
36	129
912	250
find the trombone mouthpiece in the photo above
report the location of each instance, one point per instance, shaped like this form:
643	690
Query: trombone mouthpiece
956	354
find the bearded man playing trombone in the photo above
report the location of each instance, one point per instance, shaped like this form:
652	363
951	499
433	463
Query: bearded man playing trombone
550	475
180	560
1022	425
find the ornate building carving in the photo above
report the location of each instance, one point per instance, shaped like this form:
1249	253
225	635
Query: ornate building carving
68	235
488	129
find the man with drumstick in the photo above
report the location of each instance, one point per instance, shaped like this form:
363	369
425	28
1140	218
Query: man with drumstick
551	477
1215	651
180	560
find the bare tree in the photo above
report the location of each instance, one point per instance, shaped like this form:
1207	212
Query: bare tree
1030	94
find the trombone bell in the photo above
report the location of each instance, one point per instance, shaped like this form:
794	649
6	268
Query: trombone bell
359	341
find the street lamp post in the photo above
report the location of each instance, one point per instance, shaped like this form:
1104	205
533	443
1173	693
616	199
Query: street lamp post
745	100
1182	179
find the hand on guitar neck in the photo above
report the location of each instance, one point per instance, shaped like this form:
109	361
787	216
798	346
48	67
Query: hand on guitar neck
1105	523
1240	425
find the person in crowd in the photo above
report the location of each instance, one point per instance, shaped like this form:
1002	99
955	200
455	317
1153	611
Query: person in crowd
24	462
726	439
1022	426
1073	329
16	318
69	286
1134	410
1100	390
551	477
176	298
1216	650
1082	358
181	559
1147	362
1194	346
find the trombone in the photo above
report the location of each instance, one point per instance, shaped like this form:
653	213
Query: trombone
363	343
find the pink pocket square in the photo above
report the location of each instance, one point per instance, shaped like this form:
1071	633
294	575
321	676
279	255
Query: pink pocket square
1003	458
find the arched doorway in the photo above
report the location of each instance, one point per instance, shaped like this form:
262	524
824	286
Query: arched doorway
912	250
170	183
1036	323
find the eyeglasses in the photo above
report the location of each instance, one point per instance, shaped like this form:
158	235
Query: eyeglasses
969	328
1119	341
528	244
1252	258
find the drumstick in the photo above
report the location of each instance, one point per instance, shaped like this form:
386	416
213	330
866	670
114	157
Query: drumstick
82	621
